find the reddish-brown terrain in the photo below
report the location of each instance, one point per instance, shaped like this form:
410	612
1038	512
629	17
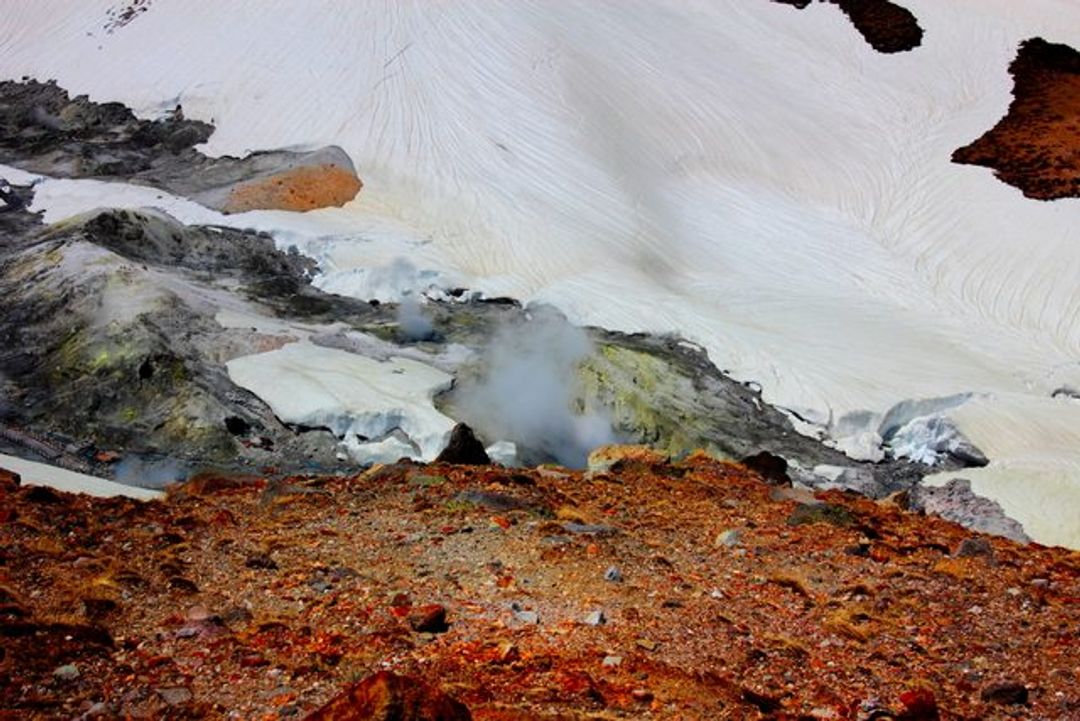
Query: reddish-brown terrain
692	590
1036	146
300	189
886	26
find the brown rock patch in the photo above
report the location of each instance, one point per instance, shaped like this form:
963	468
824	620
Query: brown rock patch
886	26
300	189
1036	146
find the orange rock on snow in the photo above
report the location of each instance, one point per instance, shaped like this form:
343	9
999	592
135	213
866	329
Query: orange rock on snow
300	189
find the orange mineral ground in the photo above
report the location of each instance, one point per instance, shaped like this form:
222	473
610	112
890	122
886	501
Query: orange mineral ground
1036	146
692	590
300	189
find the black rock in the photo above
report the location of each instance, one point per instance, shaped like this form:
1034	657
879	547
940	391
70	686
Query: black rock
1007	693
464	449
974	547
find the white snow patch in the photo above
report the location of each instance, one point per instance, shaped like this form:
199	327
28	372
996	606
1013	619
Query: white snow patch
41	474
359	399
503	452
1034	449
15	176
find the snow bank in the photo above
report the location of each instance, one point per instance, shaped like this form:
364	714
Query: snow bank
41	474
1034	449
378	408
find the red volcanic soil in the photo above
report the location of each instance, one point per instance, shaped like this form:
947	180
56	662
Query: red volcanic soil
651	590
886	26
1036	146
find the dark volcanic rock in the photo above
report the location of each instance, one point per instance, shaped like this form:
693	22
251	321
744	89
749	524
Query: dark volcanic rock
956	502
769	466
44	130
886	26
464	449
429	619
389	697
1007	693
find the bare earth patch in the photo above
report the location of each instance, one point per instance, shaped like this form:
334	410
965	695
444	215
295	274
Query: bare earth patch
1036	146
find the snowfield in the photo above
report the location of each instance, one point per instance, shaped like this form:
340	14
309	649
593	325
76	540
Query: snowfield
754	177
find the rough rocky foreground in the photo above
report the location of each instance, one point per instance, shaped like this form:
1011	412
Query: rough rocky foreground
1036	146
640	589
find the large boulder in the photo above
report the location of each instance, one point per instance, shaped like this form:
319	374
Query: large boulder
464	448
388	697
294	181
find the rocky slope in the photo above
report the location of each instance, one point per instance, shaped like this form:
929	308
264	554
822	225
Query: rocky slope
44	130
693	590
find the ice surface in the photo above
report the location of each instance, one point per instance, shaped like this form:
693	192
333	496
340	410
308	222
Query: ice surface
362	401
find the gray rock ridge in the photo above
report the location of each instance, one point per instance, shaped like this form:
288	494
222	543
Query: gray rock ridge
955	501
45	130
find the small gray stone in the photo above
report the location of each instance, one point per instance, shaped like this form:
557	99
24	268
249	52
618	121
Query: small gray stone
529	618
590	529
613	574
175	696
68	672
729	538
596	618
612	661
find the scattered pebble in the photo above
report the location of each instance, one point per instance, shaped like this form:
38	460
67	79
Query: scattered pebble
175	696
613	575
596	618
612	661
730	538
68	672
974	548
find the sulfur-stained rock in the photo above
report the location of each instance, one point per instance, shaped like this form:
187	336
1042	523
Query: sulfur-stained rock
388	697
606	457
308	181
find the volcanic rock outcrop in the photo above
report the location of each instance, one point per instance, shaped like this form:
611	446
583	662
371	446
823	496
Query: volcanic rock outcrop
44	130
